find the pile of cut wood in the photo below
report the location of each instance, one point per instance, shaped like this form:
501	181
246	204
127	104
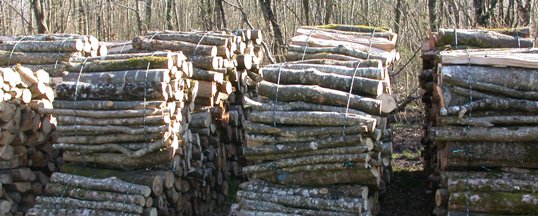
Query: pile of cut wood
26	154
49	52
481	124
318	138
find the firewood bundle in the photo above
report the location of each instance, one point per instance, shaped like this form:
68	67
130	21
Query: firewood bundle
49	52
67	194
26	154
481	118
320	122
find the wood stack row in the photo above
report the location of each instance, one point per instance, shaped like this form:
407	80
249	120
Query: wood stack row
226	66
128	115
26	154
320	122
481	124
50	52
68	194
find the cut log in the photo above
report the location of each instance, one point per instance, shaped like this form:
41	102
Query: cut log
491	88
188	48
191	38
207	75
121	77
316	192
148	120
55	189
519	58
8	58
343	50
361	86
300	55
316	94
441	197
74	45
76	203
492	104
40	210
322	143
312	118
292	154
488	154
299	106
108	105
520	78
366	72
372	63
492	185
494	202
121	161
305	160
102	113
151	62
257	207
367	45
341	205
115	138
481	39
104	91
113	129
496	134
108	184
489	121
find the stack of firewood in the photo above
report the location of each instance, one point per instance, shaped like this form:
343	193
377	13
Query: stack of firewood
481	123
321	122
75	195
49	52
26	154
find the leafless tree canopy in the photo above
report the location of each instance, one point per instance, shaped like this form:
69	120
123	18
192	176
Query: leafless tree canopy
111	20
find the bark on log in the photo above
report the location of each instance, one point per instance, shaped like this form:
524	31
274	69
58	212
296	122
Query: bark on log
103	113
497	134
300	55
361	86
191	38
115	138
329	142
387	38
526	175
520	78
306	160
489	154
340	49
492	185
74	45
495	203
316	94
366	45
36	58
207	75
113	129
312	118
489	121
316	192
255	207
121	161
121	77
107	184
372	63
55	189
492	104
188	48
299	106
104	91
129	149
293	154
481	39
40	210
366	72
148	120
323	174
75	203
491	88
154	62
108	105
342	205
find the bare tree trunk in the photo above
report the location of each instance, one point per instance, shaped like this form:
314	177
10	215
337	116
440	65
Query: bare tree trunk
169	6
221	19
306	10
138	18
269	16
329	11
432	14
39	12
147	11
398	16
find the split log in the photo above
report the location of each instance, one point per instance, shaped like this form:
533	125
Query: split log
481	39
316	94
108	184
494	202
361	86
519	58
55	189
341	205
104	91
496	134
306	160
488	154
75	203
366	72
312	118
74	45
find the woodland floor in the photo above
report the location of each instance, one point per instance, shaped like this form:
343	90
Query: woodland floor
408	193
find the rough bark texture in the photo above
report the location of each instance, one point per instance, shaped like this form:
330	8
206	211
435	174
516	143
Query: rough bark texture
55	189
188	48
343	50
481	39
489	154
366	72
104	91
107	184
75	203
497	134
305	160
312	118
495	202
74	45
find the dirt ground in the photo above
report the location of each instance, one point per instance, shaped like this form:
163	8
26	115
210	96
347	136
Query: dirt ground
407	194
